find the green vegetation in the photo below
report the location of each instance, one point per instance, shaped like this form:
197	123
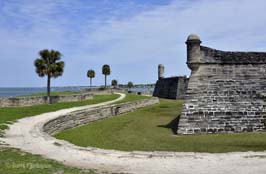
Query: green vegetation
10	114
91	75
132	97
106	71
150	129
51	94
130	85
114	83
49	65
13	161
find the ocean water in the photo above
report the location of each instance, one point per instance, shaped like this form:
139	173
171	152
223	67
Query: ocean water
13	92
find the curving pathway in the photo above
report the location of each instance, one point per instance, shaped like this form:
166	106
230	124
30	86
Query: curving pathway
27	135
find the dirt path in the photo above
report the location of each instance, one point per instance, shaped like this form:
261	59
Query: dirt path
27	135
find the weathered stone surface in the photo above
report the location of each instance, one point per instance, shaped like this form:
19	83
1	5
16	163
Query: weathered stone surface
160	71
171	88
226	91
29	101
86	116
101	91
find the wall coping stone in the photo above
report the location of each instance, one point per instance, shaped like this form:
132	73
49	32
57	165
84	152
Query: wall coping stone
99	112
110	152
37	100
214	56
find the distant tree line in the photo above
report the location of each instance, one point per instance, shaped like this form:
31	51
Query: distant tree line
49	64
106	71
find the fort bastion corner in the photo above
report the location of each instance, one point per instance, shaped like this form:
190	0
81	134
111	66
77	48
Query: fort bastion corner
225	92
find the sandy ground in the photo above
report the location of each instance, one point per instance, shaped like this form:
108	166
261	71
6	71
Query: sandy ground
27	135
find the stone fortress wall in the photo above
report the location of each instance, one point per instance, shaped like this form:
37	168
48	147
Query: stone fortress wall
102	91
30	101
171	87
38	100
226	91
82	117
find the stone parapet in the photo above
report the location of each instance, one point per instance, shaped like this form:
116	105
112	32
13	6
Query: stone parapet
30	101
171	87
90	115
228	57
225	92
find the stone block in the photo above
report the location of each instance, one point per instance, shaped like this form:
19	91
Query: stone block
228	87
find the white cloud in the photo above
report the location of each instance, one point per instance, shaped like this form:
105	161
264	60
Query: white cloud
134	44
158	35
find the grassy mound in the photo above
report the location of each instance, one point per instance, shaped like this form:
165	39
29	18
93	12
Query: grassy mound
13	161
151	129
10	114
52	94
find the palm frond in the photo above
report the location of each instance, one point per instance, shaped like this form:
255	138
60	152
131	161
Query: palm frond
48	63
106	70
91	73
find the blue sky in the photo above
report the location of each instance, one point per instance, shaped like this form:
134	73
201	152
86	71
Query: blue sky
132	36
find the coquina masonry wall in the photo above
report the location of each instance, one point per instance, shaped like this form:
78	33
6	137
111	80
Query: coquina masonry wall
100	91
226	91
89	115
171	87
30	101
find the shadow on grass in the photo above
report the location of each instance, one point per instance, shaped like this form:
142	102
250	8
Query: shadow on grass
173	125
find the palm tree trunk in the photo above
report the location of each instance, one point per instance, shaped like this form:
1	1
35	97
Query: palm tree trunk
90	81
48	89
105	80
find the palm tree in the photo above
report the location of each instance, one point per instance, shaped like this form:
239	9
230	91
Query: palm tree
49	65
106	71
130	85
91	75
114	83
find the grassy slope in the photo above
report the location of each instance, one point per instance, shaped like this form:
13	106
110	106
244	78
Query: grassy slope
9	114
148	130
52	94
13	161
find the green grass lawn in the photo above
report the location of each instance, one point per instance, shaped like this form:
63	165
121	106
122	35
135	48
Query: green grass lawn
52	94
10	114
13	161
149	129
